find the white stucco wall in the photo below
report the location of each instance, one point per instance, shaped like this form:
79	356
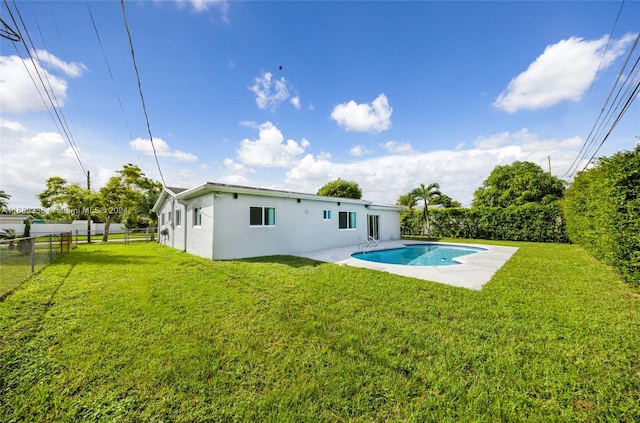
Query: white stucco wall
225	232
300	226
200	237
167	219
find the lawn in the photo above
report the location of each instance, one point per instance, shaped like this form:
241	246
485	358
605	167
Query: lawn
142	332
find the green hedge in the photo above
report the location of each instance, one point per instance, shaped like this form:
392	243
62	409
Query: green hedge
531	222
602	207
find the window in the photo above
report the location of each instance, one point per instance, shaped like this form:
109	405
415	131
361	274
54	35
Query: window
262	216
326	214
197	216
346	220
162	219
169	217
178	217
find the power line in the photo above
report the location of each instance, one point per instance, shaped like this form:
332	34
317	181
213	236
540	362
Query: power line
7	32
616	106
630	98
79	109
144	107
62	128
53	93
606	48
106	61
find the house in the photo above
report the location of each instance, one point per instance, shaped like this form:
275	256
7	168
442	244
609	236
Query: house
220	221
14	219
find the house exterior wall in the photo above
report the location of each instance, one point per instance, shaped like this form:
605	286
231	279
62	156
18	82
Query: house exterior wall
167	219
199	236
389	222
299	226
187	236
301	223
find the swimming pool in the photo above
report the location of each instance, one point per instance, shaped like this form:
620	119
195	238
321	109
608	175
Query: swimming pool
419	255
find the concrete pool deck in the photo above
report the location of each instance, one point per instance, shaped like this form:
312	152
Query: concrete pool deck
474	272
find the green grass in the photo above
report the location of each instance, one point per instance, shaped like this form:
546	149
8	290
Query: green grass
142	332
15	267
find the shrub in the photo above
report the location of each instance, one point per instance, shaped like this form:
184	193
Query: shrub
603	212
530	222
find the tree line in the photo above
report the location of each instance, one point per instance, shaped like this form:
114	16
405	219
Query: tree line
126	198
599	210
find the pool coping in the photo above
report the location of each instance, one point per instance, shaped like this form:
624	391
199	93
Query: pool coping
474	271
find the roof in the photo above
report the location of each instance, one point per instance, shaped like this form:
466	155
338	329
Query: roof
176	190
15	216
213	187
166	192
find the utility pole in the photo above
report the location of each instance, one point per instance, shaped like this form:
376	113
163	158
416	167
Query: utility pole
549	158
89	216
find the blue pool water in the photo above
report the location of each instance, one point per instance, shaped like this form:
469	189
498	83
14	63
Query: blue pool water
419	255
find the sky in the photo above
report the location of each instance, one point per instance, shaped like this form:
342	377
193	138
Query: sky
290	95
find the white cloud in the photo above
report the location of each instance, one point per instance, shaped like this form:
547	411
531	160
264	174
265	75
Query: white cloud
236	168
144	145
358	150
397	147
459	173
200	6
564	71
28	160
271	92
18	92
525	139
270	150
71	69
324	155
10	125
374	117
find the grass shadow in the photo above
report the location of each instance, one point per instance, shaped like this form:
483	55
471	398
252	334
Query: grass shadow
291	261
109	258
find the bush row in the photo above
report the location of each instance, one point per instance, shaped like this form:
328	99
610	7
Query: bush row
530	222
602	207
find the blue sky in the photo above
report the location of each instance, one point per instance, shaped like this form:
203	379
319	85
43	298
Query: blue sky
291	95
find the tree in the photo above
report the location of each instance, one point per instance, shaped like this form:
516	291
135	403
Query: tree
4	200
70	200
518	184
446	201
426	194
341	188
125	197
408	200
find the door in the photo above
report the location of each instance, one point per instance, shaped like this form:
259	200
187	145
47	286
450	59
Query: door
373	226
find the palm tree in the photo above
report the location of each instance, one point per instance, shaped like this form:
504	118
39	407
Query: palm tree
4	200
408	200
426	193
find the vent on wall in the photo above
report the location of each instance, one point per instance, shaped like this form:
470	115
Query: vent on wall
235	195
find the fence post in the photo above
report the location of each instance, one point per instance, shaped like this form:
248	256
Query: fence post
33	256
76	238
50	248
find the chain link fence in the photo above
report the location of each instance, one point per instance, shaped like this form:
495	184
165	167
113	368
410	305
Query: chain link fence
124	235
21	257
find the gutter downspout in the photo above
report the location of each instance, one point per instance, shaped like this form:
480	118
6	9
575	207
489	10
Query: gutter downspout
213	224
